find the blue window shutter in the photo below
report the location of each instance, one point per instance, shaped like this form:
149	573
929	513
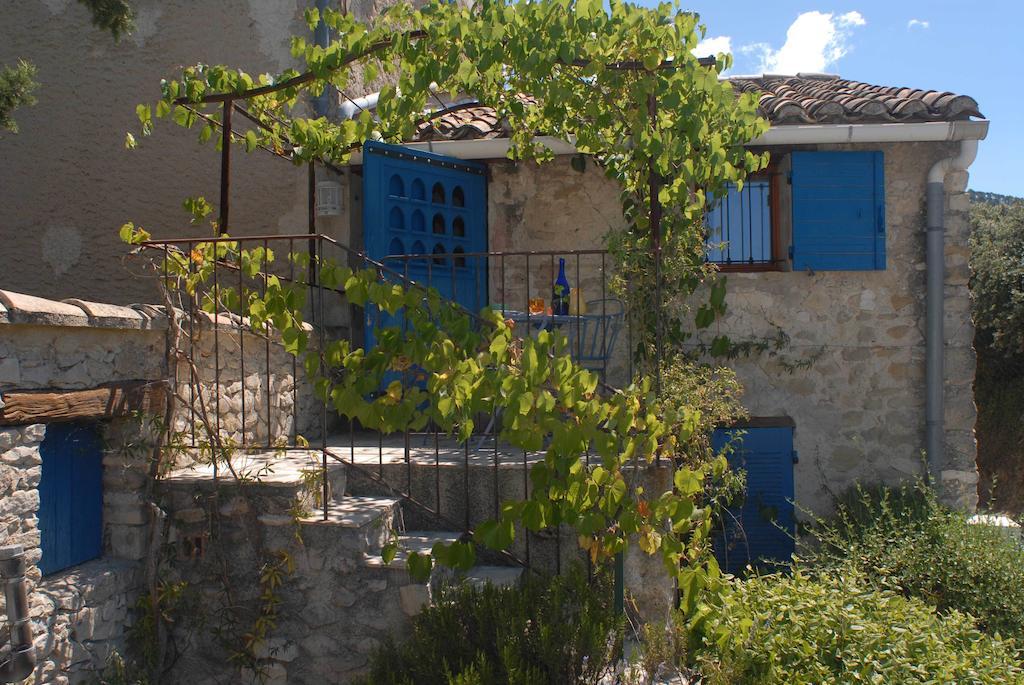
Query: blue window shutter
70	496
838	211
763	527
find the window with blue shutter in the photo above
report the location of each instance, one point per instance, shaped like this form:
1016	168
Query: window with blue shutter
763	527
838	211
70	496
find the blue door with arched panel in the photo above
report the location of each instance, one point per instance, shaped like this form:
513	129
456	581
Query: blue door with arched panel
420	203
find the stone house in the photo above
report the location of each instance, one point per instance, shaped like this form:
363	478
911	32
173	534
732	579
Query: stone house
846	262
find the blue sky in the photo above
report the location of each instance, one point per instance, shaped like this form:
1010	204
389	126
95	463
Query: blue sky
970	47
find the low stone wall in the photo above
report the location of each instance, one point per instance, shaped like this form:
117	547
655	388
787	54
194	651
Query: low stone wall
244	380
81	614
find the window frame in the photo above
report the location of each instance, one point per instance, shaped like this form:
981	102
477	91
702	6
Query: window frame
773	173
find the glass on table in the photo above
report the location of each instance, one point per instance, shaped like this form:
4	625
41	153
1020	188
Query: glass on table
536	305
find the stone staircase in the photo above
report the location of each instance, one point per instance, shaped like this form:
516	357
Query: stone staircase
341	600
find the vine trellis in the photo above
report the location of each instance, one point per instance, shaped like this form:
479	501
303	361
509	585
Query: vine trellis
623	84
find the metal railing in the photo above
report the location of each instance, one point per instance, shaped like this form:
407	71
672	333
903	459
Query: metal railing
243	386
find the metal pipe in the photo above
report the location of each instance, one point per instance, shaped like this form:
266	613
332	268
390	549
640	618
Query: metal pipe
22	660
322	38
935	261
225	168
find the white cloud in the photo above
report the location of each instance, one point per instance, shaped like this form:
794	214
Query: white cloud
712	46
918	23
814	42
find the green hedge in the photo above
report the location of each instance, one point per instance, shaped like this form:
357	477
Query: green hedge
904	540
832	628
550	631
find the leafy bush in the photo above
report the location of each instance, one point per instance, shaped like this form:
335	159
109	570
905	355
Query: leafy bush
837	628
997	279
904	540
559	630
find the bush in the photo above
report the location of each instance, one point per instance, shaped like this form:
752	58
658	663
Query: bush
558	630
997	275
904	540
837	628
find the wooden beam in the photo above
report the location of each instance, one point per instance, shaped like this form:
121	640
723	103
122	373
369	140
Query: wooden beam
105	402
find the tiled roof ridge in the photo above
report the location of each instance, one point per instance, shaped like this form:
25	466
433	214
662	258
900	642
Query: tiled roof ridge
802	98
829	98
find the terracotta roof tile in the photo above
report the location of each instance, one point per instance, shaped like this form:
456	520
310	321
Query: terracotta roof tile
829	99
800	99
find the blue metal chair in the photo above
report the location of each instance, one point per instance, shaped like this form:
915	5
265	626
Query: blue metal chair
592	336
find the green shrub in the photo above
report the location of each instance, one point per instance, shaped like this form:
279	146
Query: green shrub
837	628
558	630
997	275
904	540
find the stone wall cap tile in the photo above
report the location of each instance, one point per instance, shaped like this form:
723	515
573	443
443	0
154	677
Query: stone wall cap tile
29	309
153	315
102	315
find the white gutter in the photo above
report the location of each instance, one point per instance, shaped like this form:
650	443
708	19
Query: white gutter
350	108
488	148
931	131
811	134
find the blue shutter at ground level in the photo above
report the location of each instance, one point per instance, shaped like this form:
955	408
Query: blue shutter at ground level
70	496
764	526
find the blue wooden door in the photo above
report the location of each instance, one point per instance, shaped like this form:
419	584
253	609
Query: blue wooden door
70	496
763	527
422	203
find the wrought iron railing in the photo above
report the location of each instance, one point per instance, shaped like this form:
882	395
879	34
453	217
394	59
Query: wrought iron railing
244	387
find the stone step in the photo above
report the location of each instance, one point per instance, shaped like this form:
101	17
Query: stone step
420	541
353	526
498	576
277	482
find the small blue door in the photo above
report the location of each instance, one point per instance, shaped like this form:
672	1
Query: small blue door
763	527
422	203
70	496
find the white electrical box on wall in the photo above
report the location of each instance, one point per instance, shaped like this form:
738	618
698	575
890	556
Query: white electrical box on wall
328	198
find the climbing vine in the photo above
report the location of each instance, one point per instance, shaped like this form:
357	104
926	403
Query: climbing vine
622	83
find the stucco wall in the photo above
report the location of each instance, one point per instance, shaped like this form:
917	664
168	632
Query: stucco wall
67	183
857	396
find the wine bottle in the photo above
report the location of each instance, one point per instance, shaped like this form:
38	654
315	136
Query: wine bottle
560	292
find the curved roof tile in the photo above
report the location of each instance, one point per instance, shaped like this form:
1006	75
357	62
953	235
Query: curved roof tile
800	99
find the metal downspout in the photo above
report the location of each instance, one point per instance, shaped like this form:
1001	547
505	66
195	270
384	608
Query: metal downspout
22	661
935	342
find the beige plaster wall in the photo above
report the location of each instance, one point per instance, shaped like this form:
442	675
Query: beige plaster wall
67	183
856	338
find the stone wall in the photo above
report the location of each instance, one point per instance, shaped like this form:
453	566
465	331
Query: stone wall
75	183
859	403
553	208
244	382
83	613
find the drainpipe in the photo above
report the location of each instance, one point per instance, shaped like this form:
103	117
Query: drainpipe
935	304
23	656
321	37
